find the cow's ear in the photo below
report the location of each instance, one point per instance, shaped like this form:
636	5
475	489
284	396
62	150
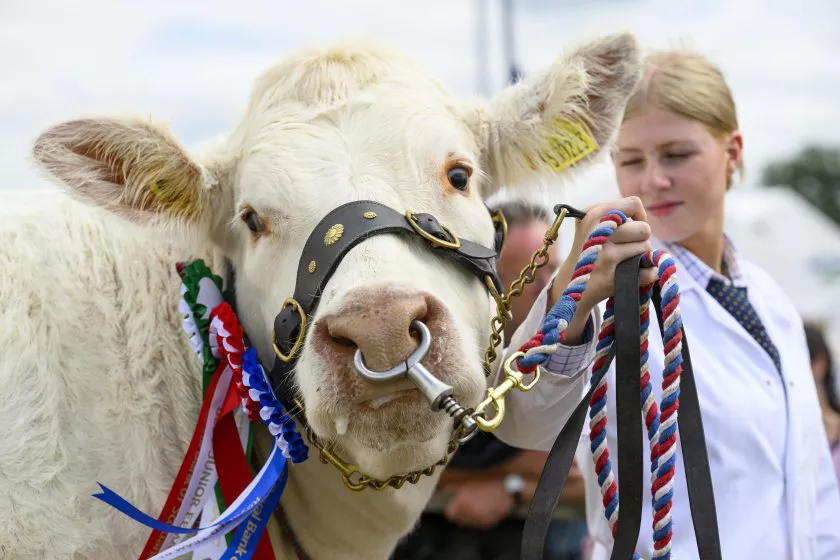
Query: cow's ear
561	117
130	167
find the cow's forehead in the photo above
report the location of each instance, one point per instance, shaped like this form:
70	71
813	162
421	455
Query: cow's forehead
387	129
362	152
345	119
385	112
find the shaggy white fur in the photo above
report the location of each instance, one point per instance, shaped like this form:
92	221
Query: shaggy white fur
96	380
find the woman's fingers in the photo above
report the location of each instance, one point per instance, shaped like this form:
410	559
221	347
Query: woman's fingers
647	276
628	240
631	232
613	254
631	206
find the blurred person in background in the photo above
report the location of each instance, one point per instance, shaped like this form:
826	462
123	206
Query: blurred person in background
677	152
483	495
826	381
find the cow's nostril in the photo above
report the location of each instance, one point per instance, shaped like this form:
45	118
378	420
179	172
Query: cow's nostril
384	339
343	341
413	332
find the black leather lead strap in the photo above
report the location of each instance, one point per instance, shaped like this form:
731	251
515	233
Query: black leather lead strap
554	475
628	407
698	476
627	352
340	231
630	444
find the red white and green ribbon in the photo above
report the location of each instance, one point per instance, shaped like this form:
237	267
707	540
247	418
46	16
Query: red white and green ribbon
236	394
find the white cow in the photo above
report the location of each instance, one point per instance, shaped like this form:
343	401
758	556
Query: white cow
97	380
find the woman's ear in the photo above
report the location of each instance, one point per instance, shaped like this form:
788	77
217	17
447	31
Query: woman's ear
735	156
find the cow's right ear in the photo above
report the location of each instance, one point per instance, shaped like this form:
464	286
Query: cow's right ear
132	168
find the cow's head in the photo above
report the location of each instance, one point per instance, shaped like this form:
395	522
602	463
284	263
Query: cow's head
329	126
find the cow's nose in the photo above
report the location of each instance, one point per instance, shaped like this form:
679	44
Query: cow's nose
378	323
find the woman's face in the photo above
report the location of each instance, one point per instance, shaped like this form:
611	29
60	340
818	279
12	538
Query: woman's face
678	170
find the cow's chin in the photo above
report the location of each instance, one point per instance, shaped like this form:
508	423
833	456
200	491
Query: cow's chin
394	435
396	440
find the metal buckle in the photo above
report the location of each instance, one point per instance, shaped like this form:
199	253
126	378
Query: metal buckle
435	241
301	333
499	218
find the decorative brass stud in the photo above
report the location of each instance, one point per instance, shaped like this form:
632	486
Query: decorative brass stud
311	266
333	234
369	215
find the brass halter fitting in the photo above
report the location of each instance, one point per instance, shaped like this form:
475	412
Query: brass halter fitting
300	336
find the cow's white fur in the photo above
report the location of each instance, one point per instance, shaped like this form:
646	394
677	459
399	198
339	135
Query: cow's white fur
96	376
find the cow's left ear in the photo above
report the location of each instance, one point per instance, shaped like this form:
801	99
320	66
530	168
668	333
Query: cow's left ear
131	167
561	117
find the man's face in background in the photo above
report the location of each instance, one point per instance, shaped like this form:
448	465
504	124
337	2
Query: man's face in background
522	241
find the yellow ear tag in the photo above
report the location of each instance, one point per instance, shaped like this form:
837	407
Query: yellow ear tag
155	188
172	200
572	143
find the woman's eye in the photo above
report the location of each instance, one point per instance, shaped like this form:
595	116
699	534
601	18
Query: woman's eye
629	162
459	177
678	156
254	221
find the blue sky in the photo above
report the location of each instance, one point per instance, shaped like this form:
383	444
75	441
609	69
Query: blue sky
192	63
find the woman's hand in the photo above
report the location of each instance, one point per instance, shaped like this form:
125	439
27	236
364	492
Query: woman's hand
628	240
479	504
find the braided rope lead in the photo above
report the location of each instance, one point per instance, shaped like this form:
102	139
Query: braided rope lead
661	427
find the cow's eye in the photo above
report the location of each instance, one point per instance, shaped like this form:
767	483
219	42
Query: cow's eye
459	177
253	220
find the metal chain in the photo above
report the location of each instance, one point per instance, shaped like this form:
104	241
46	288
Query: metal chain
352	476
355	480
538	260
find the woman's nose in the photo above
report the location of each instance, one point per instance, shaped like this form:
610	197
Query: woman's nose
655	177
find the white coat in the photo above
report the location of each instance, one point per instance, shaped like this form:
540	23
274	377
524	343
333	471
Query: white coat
775	491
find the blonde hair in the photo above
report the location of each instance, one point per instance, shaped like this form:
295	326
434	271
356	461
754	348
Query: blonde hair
688	84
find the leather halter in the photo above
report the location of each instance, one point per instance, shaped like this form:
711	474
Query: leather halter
334	236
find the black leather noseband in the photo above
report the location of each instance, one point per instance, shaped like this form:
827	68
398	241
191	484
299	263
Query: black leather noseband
334	236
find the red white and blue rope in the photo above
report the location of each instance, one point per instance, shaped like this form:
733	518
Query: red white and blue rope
661	427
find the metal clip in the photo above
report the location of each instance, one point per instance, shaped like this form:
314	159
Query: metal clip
496	396
570	211
347	470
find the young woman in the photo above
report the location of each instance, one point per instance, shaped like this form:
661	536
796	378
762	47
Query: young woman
776	496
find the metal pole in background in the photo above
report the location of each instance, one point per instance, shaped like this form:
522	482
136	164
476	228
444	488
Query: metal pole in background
514	75
482	70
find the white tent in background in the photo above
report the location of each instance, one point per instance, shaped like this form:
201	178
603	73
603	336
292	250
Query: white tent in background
796	243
